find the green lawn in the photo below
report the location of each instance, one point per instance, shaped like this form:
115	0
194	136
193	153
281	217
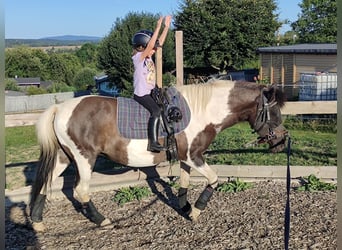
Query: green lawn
308	148
21	144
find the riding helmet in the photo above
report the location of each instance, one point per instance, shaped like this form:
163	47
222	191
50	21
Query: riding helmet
141	38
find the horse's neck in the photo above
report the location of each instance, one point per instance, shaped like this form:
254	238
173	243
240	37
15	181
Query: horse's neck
215	110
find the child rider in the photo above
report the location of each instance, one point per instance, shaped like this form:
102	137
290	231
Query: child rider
145	43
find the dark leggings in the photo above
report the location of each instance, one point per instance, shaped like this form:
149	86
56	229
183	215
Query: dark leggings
148	103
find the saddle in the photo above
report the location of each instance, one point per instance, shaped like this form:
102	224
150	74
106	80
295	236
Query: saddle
133	118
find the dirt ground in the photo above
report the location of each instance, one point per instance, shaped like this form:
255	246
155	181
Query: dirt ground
253	219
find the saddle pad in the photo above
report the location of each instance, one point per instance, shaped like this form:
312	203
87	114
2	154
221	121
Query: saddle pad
133	118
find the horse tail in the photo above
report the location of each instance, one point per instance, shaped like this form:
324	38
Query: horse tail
48	143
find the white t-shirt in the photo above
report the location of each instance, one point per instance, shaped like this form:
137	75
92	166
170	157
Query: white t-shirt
144	78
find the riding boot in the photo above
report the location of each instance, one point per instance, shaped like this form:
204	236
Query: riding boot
152	132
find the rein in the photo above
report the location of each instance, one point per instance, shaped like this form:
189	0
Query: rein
287	206
261	120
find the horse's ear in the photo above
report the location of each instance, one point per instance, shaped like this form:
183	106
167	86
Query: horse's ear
272	92
269	92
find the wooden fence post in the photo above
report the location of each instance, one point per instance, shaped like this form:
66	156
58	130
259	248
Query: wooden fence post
159	67
179	58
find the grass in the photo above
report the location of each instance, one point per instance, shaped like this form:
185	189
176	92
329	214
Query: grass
310	147
21	144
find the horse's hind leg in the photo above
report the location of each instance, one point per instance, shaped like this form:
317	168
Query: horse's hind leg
37	209
84	167
205	196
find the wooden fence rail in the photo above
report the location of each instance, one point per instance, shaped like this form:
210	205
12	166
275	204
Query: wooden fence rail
291	108
310	107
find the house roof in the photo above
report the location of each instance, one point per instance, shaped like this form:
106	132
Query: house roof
306	48
27	80
101	78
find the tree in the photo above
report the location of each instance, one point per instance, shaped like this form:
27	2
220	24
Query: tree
225	34
25	62
84	78
115	50
62	67
317	21
288	38
87	55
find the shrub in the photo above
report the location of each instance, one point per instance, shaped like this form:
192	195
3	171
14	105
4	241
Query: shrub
31	90
58	87
11	84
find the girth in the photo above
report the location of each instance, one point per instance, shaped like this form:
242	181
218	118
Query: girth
169	115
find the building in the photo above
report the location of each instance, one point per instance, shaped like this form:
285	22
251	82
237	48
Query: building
285	64
27	81
105	87
24	82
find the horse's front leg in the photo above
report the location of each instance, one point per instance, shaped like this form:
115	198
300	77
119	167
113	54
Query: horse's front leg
82	191
183	190
205	196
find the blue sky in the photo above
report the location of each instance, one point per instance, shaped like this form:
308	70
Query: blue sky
42	18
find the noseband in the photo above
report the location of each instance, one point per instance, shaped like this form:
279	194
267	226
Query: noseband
264	119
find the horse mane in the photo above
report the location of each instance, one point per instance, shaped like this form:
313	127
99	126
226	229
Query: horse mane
199	95
279	95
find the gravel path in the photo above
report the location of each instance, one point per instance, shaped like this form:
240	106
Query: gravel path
253	219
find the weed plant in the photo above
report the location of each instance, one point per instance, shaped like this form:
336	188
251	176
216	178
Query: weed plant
313	184
129	194
234	186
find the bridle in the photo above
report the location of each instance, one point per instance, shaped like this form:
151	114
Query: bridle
263	119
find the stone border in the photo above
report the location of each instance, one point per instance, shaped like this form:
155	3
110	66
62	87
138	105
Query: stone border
130	177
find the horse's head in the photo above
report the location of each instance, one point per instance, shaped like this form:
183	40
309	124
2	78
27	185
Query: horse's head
268	122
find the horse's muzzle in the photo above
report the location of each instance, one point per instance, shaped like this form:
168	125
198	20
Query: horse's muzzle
277	142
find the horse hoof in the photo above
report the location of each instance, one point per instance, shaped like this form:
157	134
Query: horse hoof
38	226
194	214
106	223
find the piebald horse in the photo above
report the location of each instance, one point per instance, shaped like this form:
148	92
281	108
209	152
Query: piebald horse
81	129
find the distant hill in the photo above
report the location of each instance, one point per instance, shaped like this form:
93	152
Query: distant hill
73	38
67	40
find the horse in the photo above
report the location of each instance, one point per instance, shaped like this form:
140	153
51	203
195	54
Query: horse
80	129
